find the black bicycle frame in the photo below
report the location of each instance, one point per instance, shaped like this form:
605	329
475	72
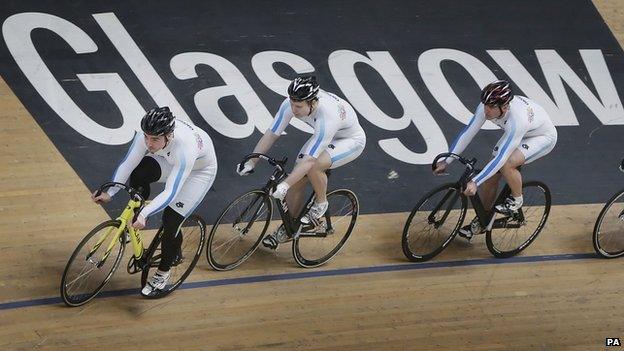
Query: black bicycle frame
291	225
484	216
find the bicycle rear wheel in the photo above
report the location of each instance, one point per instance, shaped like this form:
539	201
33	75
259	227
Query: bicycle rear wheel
193	231
317	246
433	223
92	265
608	236
239	230
511	234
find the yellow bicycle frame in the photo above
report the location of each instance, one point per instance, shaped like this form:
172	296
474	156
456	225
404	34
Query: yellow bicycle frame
125	218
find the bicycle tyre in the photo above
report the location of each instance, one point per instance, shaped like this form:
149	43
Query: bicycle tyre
302	244
233	234
600	243
66	279
496	249
415	253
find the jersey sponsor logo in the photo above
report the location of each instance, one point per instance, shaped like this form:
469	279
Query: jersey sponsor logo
200	141
342	112
530	114
525	146
179	204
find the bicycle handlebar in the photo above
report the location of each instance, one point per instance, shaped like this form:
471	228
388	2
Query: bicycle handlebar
468	163
134	194
279	164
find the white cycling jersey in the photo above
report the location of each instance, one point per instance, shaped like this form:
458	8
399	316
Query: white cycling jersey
336	129
188	165
526	126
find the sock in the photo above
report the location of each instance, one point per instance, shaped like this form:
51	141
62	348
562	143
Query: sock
518	200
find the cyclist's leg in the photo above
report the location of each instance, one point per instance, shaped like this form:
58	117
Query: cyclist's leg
169	247
488	190
149	170
338	153
296	192
171	238
318	177
190	196
531	149
294	196
511	173
537	147
343	151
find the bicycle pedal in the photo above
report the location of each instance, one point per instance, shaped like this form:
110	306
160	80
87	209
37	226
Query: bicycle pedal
270	242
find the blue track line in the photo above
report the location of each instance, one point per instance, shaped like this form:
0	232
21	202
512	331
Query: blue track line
316	274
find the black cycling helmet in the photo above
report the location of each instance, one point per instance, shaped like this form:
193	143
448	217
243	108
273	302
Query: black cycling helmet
303	88
158	121
497	93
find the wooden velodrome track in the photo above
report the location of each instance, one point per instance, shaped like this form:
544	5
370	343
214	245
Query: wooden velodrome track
555	296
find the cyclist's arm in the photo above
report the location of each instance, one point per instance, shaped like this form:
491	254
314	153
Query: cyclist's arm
280	122
264	144
468	133
181	169
509	142
133	157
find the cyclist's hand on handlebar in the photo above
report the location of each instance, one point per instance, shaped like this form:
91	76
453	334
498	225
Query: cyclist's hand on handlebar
440	168
471	188
246	168
101	199
139	223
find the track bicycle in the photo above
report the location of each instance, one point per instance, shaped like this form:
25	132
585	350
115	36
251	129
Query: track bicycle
240	228
438	216
608	235
97	256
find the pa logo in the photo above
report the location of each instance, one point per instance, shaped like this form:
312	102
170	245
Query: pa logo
613	342
179	205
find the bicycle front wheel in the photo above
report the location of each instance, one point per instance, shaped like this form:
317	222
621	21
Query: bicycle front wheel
93	263
239	230
316	247
608	236
433	223
512	234
193	231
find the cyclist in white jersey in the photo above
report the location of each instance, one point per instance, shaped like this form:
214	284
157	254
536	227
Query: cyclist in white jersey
183	157
337	140
529	134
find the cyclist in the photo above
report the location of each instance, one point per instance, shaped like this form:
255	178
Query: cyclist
529	134
181	155
337	140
